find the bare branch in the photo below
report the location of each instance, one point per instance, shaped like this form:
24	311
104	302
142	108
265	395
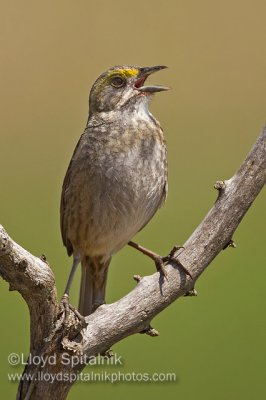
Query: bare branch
110	323
35	281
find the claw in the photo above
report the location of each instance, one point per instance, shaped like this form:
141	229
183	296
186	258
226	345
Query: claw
66	309
65	305
160	266
178	263
173	258
160	261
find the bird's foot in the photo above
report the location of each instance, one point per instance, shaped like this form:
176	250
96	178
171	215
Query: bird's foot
173	258
66	307
160	261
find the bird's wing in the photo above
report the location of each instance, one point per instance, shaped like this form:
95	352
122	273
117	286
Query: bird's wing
161	203
63	221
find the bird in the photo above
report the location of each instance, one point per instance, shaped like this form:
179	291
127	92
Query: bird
116	179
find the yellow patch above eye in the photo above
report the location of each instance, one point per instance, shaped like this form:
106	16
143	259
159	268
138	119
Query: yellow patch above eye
126	72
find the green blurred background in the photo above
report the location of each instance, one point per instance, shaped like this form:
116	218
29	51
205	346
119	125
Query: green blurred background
51	53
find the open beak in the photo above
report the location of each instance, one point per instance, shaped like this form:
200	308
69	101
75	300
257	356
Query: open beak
143	75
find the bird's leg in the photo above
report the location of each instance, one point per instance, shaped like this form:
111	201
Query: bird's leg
67	306
65	298
159	260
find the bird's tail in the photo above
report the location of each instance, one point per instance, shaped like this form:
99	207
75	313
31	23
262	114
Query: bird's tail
93	283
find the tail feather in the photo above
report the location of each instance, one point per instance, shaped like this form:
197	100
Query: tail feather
93	284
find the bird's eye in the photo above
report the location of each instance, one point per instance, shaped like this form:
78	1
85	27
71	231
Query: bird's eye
118	81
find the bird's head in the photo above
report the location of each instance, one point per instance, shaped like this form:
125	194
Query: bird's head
120	85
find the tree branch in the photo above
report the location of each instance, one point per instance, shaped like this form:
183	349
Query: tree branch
33	278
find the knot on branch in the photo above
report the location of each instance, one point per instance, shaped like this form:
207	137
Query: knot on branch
220	186
150	331
72	346
5	242
231	243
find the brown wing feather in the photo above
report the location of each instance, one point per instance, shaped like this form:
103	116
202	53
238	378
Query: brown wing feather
63	222
163	198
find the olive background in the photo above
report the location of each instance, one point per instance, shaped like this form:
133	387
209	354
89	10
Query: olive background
51	53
